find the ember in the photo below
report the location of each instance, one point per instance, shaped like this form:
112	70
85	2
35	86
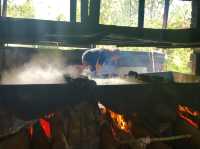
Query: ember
189	115
117	119
44	124
46	127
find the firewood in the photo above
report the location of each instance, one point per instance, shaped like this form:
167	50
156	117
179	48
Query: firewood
19	140
181	127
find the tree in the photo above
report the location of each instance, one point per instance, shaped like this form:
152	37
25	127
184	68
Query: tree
124	13
24	10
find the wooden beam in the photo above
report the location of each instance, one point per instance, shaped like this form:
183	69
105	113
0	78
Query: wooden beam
141	13
41	31
94	12
4	9
165	15
84	11
73	11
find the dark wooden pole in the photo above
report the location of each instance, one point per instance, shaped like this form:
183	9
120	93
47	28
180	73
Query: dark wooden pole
195	23
4	10
165	15
0	8
141	13
84	11
73	11
94	12
195	14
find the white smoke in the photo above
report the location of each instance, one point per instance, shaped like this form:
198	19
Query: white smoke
43	68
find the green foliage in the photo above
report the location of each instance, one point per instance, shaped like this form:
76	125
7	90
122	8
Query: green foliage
178	60
124	13
24	10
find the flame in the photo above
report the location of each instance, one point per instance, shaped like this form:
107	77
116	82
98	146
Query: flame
44	124
189	115
30	130
46	127
117	119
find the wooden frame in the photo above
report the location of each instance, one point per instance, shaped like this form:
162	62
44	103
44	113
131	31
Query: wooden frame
32	31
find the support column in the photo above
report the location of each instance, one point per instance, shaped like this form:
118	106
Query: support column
195	23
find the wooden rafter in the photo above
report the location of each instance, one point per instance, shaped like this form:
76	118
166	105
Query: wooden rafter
41	31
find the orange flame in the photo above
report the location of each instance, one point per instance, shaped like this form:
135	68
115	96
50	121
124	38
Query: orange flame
30	130
46	127
185	113
118	119
44	124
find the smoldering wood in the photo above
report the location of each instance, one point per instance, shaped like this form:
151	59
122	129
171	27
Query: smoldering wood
182	127
29	31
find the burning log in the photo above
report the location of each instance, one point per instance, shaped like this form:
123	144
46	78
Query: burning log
117	132
182	127
189	115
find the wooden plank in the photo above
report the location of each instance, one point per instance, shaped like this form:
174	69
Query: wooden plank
73	11
165	16
84	11
94	11
141	13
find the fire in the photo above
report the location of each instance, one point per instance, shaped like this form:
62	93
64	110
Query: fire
189	115
46	127
117	119
44	124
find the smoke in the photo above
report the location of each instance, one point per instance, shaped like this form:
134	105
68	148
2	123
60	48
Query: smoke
43	68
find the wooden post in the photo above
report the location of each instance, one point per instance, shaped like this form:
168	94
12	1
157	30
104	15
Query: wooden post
0	8
94	12
195	23
4	9
73	11
195	14
141	13
84	11
2	59
165	16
